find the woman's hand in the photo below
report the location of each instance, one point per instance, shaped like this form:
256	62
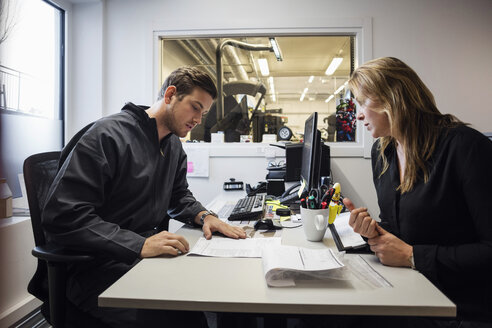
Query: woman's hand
390	249
361	221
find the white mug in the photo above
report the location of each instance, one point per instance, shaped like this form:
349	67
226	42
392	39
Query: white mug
315	223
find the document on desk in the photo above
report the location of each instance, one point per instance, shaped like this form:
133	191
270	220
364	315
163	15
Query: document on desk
283	265
362	270
226	247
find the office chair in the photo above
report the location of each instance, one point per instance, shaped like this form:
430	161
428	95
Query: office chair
49	281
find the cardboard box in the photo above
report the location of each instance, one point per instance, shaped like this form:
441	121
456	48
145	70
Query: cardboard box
5	208
5	199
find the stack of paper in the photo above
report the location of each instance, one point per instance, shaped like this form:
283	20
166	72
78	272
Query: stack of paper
284	264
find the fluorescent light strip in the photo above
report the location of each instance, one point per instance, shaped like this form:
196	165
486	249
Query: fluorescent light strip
311	78
336	61
263	62
340	89
303	94
276	49
272	86
329	98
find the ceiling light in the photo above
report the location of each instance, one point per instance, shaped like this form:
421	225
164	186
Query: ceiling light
276	49
272	87
340	89
336	61
329	98
311	78
303	94
263	62
270	82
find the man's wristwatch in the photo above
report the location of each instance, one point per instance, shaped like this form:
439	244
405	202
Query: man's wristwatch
202	217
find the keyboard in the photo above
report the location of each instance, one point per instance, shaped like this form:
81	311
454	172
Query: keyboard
226	210
248	208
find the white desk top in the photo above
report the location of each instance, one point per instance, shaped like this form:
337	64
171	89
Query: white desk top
238	285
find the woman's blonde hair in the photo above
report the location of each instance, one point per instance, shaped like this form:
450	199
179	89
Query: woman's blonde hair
414	118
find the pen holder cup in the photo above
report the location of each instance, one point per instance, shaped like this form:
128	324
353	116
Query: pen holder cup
315	223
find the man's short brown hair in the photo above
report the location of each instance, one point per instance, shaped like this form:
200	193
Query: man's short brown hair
185	79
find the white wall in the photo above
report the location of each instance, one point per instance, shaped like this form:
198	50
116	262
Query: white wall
85	73
17	266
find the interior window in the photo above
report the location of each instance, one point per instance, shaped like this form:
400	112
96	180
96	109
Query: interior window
268	93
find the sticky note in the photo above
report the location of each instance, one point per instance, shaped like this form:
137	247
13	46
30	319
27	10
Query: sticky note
190	167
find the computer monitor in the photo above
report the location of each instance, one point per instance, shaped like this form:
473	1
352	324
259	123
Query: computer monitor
311	153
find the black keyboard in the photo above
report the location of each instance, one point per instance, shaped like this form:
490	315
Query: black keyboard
248	208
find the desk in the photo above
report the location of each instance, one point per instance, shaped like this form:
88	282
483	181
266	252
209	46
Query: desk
238	285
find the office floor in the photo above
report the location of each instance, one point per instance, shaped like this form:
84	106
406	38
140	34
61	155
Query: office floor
33	320
246	321
36	320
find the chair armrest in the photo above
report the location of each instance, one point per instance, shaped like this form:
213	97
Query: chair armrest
52	253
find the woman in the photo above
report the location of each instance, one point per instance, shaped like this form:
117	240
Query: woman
433	178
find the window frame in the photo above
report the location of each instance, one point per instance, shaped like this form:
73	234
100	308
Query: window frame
361	28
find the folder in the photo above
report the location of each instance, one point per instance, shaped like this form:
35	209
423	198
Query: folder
345	238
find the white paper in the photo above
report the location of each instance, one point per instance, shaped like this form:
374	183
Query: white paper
283	264
21	202
347	235
226	247
365	272
198	162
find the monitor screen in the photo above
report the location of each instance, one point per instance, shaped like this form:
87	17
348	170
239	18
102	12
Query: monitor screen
311	153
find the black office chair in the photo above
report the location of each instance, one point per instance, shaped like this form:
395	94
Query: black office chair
49	281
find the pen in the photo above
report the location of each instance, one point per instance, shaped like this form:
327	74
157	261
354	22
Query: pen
303	202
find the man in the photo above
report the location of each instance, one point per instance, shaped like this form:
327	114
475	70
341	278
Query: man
118	186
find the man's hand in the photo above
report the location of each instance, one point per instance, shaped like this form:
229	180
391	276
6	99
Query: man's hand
164	243
361	221
212	224
390	249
